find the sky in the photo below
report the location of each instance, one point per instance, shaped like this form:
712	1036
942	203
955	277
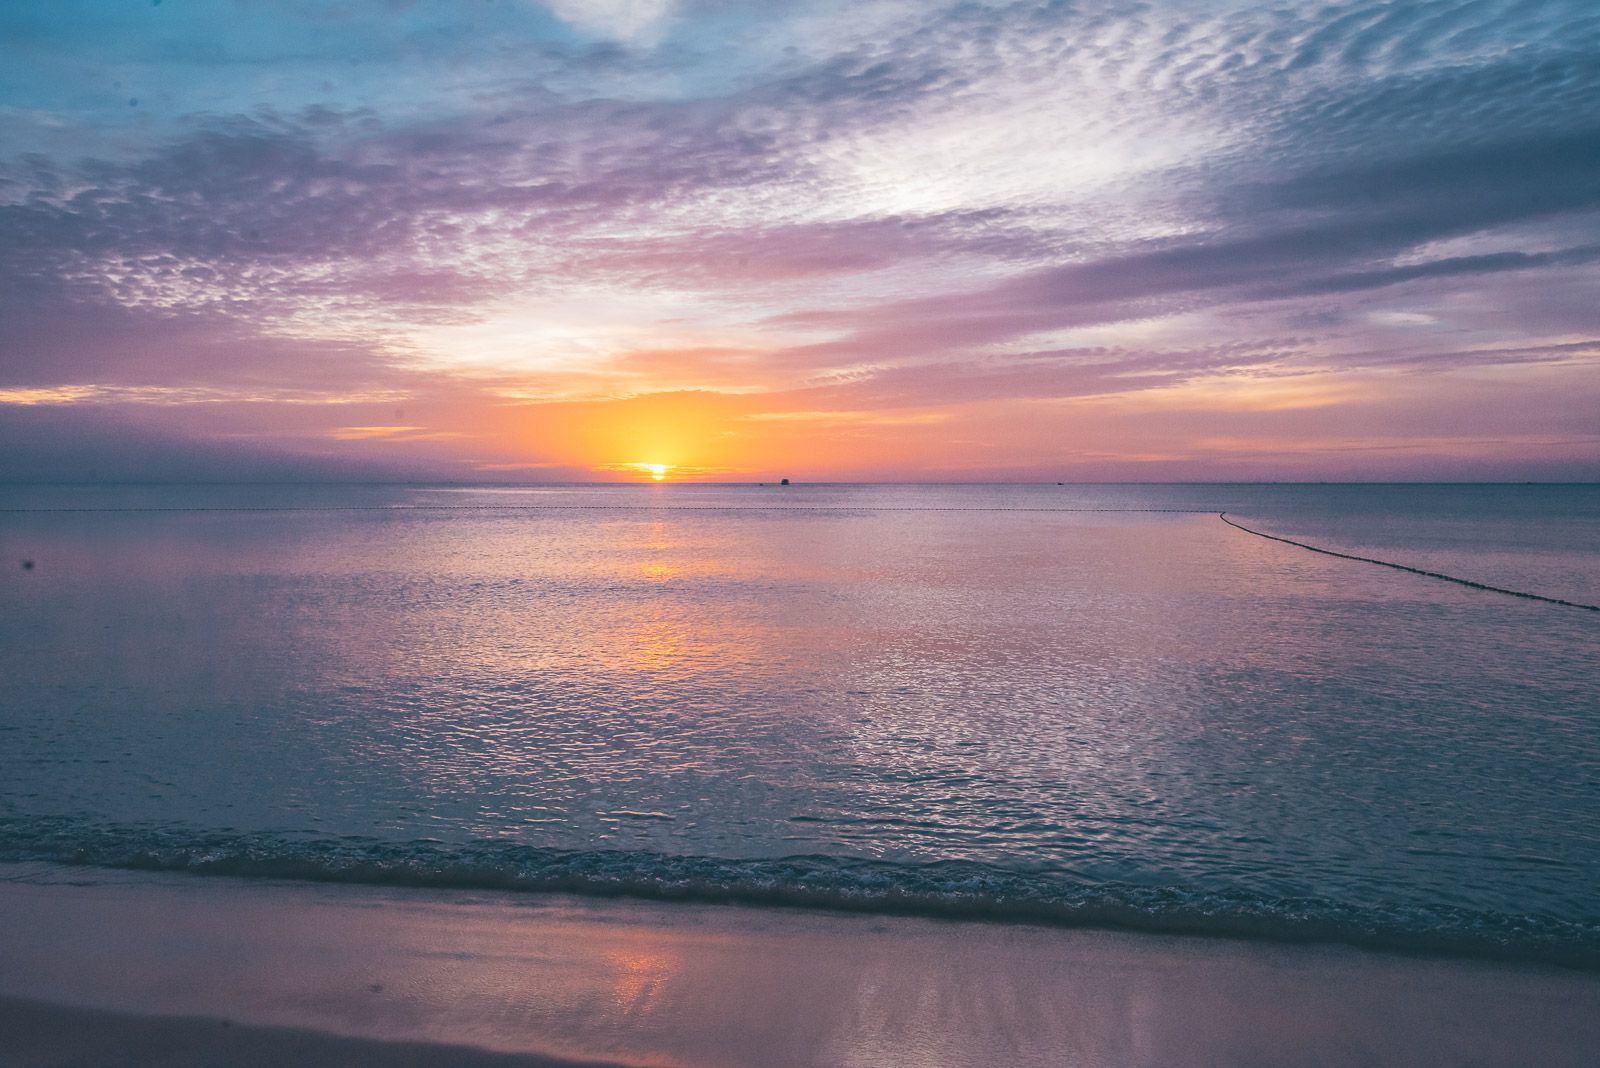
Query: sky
505	240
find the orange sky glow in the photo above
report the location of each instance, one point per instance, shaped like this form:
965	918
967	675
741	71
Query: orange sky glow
929	242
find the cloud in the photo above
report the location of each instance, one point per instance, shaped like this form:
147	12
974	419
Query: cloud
108	443
907	208
635	21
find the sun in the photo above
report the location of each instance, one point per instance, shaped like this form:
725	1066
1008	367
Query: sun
658	472
655	472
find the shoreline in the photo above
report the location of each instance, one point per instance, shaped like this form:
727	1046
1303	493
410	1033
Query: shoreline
812	884
336	973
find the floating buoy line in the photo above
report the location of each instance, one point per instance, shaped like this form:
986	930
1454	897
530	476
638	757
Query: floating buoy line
1412	570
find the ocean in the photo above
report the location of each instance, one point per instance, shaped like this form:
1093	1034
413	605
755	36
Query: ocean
1083	705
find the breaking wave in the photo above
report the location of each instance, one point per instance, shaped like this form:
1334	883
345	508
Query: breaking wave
951	889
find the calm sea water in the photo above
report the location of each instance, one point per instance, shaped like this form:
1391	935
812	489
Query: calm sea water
1083	704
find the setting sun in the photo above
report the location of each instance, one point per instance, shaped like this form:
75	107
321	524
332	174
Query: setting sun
657	472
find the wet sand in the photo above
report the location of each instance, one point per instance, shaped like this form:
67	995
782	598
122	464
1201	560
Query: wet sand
107	968
36	1033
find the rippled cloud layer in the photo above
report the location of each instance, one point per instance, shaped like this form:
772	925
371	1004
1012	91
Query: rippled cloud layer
867	240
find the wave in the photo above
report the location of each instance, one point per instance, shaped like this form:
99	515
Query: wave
950	889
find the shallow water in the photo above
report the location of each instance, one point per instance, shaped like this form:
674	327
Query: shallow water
1003	700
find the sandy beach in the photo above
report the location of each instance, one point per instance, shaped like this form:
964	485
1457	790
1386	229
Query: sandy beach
130	968
45	1034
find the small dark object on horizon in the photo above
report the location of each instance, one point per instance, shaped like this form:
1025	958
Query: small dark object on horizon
27	565
785	482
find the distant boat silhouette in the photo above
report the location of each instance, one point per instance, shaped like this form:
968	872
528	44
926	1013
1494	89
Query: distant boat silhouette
785	482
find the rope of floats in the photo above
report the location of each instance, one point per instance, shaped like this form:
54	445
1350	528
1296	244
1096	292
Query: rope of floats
1413	570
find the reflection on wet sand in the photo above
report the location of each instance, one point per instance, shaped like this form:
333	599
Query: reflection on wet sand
721	986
